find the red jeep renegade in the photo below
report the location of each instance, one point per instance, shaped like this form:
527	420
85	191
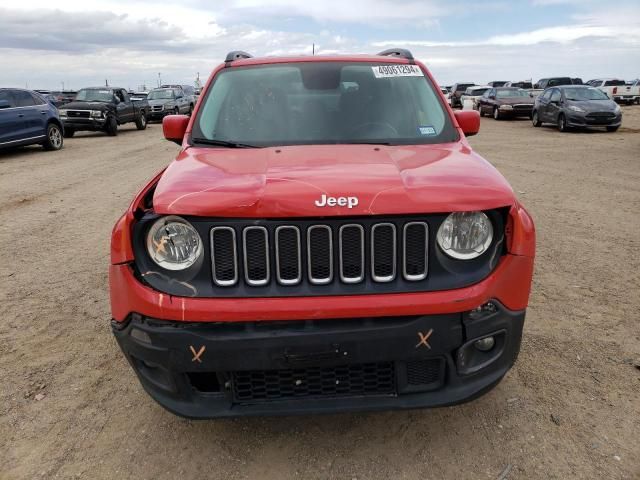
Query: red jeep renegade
326	240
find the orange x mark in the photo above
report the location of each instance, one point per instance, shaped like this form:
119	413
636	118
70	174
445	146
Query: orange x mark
198	354
423	339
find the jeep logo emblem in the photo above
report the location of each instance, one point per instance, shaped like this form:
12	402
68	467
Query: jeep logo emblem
348	202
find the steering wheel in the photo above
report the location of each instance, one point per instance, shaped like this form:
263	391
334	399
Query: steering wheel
385	125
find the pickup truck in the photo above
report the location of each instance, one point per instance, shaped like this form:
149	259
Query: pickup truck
166	101
617	89
103	109
325	240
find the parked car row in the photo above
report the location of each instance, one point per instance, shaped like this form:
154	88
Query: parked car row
45	117
616	89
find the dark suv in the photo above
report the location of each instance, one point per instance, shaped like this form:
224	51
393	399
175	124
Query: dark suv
26	118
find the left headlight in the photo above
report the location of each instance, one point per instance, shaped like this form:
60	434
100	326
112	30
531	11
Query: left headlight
616	110
465	235
173	243
96	113
575	108
62	113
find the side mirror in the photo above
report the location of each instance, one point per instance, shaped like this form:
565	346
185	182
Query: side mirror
492	97
4	104
468	121
174	127
116	100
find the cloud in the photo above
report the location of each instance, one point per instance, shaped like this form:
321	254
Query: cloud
130	41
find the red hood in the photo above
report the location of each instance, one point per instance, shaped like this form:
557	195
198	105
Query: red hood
286	181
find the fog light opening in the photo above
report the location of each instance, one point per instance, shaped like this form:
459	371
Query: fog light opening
485	344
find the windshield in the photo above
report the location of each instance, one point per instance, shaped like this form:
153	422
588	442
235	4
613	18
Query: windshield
475	91
323	103
94	95
510	93
581	94
166	94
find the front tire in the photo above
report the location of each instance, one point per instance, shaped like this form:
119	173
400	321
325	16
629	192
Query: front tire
562	123
176	111
496	113
535	119
613	129
480	110
190	109
141	121
69	132
54	139
112	127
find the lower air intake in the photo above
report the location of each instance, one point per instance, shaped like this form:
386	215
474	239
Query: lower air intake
320	382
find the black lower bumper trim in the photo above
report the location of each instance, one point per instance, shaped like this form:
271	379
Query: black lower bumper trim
204	370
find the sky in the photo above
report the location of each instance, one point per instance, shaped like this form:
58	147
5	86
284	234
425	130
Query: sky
134	43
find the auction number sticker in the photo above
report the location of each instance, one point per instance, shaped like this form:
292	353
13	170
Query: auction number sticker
387	71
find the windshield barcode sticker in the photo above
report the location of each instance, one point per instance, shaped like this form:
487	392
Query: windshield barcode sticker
386	71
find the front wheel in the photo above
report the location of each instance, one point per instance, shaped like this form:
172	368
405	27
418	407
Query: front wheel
496	113
562	123
480	110
190	109
613	129
112	127
54	139
535	119
176	111
141	121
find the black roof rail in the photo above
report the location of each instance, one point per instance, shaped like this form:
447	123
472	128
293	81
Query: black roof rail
236	55
397	52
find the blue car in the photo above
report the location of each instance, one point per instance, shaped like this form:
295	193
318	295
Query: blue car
26	118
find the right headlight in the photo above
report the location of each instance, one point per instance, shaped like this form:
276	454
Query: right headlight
173	243
465	235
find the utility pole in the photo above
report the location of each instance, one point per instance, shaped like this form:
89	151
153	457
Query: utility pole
313	49
62	86
159	79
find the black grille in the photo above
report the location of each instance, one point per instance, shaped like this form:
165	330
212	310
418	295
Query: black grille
347	380
78	113
320	254
415	250
256	255
288	255
351	253
225	269
315	252
383	246
424	372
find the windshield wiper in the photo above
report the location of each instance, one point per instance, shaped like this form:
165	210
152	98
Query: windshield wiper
223	143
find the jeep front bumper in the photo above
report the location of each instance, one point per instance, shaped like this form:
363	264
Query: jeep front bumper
221	369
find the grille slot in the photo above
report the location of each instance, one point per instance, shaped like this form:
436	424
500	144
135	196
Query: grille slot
383	252
256	255
288	255
323	382
224	257
415	241
320	254
351	238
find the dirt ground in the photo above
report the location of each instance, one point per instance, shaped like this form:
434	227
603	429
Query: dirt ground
70	406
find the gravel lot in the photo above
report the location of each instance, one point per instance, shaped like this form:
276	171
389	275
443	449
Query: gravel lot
70	406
